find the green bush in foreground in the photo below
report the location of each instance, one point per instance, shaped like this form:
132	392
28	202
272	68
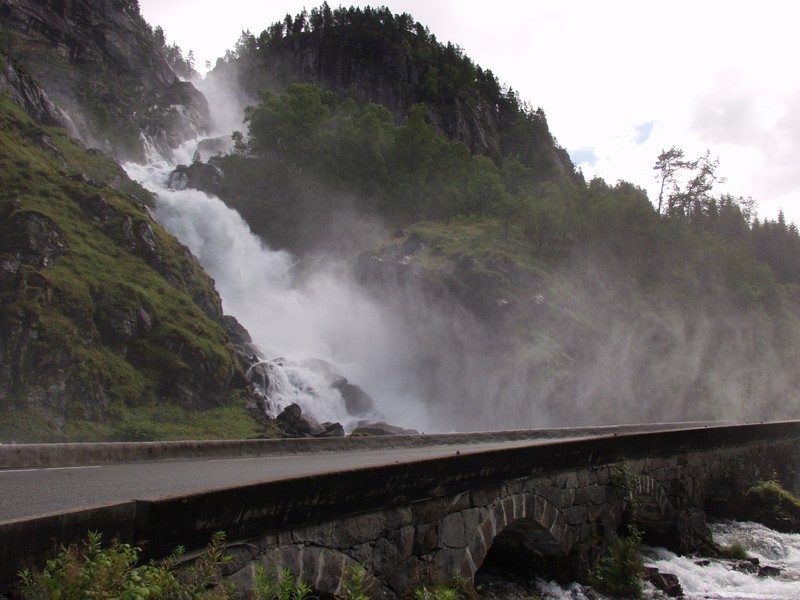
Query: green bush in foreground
356	583
87	570
271	585
454	588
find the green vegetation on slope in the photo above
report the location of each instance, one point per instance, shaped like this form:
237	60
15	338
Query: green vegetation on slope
577	295
309	151
109	327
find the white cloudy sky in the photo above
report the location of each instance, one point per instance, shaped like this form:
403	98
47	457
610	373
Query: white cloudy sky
619	80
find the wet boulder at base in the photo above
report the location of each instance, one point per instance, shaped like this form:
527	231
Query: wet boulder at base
293	423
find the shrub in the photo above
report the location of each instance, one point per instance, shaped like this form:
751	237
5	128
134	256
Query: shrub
87	570
620	571
356	583
624	480
769	496
273	585
770	504
453	588
735	551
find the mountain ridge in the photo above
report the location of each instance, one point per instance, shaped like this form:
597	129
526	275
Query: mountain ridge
516	292
373	55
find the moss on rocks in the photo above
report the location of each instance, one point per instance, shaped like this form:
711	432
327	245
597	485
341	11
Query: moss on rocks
109	328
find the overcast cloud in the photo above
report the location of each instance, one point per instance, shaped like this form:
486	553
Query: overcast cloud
618	80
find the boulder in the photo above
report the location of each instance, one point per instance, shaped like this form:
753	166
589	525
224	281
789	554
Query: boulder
666	582
198	175
119	326
249	355
178	180
9	267
332	430
141	240
768	571
746	566
97	206
356	400
293	423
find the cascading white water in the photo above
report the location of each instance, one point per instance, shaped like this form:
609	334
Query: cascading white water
722	580
324	317
705	579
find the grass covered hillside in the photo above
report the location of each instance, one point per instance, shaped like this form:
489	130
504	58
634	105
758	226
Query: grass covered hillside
109	330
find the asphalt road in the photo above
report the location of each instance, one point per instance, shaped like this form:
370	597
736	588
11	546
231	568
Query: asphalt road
26	493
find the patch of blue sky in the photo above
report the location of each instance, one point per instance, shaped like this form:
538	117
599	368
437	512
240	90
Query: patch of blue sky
583	156
643	131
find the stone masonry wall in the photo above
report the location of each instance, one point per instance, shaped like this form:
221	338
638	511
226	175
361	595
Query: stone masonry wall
565	518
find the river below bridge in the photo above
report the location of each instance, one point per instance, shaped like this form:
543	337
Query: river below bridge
700	579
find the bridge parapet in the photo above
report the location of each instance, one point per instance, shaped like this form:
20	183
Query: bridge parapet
549	503
560	520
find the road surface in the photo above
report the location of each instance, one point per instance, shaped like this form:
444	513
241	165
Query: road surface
26	493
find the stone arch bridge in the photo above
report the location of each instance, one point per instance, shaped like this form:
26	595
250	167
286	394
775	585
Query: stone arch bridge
556	502
557	506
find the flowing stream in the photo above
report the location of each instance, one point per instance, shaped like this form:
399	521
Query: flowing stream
734	580
700	579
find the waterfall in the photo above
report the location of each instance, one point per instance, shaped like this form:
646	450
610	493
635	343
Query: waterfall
297	323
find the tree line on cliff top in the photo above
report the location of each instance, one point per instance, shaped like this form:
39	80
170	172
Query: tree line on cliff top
309	143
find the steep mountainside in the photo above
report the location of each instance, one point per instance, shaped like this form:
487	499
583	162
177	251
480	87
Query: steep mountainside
109	328
98	61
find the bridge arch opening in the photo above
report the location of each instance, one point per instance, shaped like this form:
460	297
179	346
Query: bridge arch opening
651	509
524	534
523	547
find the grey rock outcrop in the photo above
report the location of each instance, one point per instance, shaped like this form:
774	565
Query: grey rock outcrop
98	60
37	239
27	94
356	400
390	68
200	176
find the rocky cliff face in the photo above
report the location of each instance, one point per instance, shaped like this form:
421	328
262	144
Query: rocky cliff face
385	73
103	315
374	56
26	93
97	60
